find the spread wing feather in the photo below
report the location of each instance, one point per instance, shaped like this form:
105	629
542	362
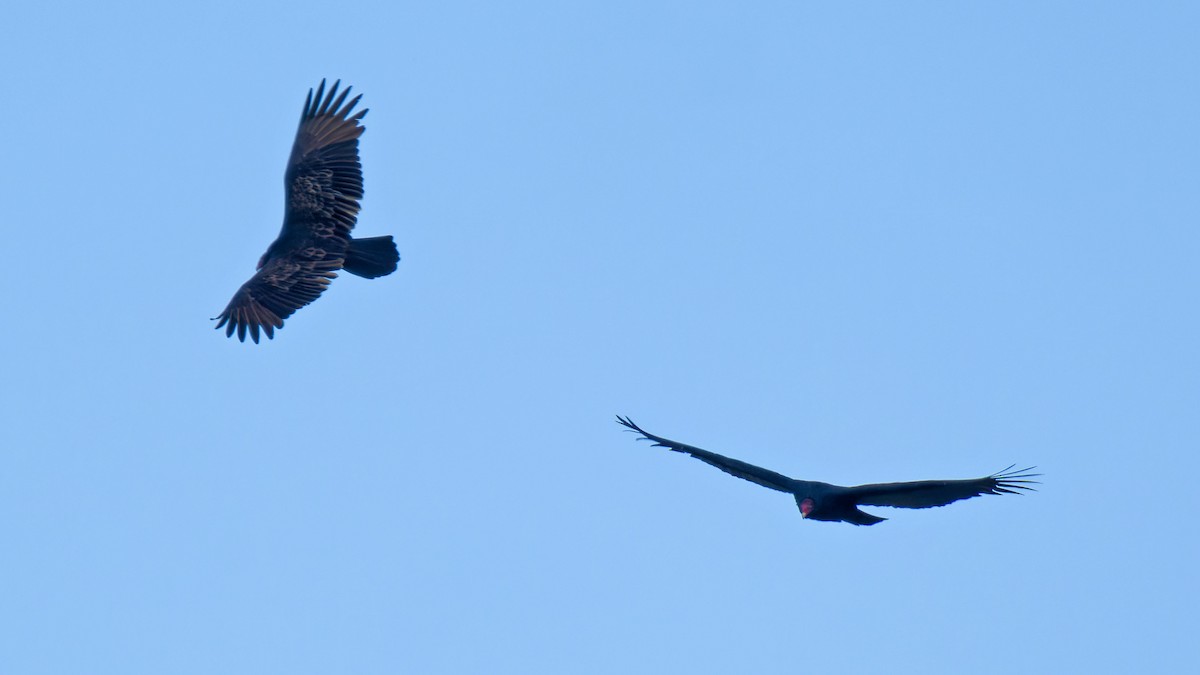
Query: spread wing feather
733	467
323	180
924	494
281	287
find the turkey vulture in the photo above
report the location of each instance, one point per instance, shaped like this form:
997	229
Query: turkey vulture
823	501
322	186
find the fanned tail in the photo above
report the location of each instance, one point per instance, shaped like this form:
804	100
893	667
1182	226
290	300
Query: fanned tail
371	257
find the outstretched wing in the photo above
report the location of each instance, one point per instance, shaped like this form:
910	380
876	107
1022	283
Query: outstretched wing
281	287
754	474
323	180
923	494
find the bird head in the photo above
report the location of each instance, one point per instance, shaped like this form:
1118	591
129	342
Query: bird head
261	261
806	507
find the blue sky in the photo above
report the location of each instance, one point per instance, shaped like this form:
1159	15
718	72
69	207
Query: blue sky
851	242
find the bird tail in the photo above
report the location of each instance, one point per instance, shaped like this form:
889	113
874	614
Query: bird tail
371	257
859	517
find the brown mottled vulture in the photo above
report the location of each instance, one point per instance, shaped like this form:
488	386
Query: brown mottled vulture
823	501
322	185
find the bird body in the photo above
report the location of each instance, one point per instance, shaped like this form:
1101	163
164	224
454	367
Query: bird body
323	185
837	503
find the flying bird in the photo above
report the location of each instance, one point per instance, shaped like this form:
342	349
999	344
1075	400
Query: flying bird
824	501
322	186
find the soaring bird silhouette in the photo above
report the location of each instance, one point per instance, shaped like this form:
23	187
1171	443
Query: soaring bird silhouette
322	185
823	501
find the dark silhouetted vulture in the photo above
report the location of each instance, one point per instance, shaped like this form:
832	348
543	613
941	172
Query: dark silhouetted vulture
823	501
322	186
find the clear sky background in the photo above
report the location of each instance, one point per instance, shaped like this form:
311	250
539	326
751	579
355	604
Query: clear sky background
851	242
